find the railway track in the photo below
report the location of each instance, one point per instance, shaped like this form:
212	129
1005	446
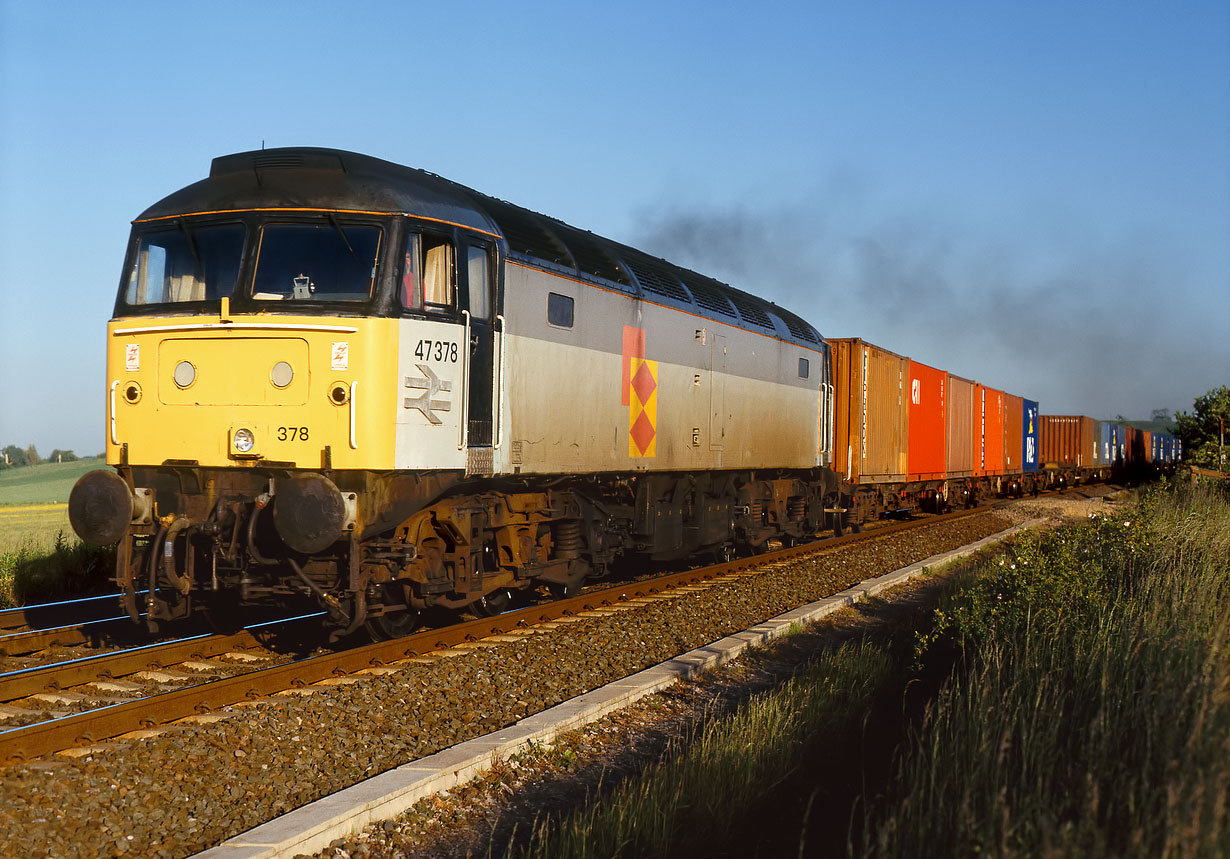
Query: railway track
183	786
188	677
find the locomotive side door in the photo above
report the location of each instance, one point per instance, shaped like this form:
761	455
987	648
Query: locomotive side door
478	303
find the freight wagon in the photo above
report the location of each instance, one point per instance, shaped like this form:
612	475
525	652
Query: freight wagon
910	436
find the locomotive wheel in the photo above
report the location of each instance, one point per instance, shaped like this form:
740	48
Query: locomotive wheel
561	591
498	601
395	624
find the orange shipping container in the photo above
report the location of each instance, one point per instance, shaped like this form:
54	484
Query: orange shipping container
1014	420
928	422
989	440
871	412
1067	441
962	424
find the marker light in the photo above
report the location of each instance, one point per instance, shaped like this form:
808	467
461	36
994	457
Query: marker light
185	374
243	440
282	374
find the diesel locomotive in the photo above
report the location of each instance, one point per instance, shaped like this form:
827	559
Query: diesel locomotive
336	378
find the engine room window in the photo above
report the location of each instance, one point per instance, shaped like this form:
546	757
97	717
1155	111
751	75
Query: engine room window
437	273
804	368
477	283
185	264
316	262
559	310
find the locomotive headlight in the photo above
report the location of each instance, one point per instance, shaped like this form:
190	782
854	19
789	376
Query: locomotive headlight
243	440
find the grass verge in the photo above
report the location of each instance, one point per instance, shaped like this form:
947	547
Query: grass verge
1090	712
697	802
33	573
1070	698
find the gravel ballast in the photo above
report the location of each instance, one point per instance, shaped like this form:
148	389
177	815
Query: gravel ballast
194	786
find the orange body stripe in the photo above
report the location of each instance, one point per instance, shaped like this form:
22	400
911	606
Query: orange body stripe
634	347
334	211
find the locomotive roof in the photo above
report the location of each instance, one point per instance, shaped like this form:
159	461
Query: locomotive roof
314	178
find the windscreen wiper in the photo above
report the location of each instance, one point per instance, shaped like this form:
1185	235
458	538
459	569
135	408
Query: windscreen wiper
342	233
196	255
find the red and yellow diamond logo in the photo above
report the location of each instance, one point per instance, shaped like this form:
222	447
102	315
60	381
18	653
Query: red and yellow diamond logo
642	408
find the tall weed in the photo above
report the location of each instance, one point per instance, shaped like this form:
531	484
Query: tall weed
702	797
1091	711
32	574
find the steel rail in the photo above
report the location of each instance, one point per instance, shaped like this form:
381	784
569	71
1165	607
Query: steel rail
147	657
64	613
42	738
31	640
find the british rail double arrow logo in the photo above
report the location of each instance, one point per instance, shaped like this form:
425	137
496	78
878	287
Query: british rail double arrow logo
430	385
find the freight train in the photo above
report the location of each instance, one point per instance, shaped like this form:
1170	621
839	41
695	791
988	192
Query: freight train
337	379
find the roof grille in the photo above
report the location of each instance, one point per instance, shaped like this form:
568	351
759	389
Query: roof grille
591	255
708	294
276	159
655	276
797	326
527	233
751	313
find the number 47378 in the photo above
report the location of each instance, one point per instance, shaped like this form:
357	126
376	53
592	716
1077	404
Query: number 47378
292	433
436	350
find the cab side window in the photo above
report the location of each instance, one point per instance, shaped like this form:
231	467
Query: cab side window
478	282
411	290
438	273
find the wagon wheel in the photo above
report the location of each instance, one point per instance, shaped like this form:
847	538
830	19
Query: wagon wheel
395	624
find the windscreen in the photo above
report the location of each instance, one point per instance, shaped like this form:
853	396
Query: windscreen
316	262
184	263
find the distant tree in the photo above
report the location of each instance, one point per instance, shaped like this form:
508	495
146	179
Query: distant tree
16	456
1201	430
58	455
1162	415
32	457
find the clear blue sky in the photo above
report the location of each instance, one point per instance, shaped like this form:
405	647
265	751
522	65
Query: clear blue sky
1035	195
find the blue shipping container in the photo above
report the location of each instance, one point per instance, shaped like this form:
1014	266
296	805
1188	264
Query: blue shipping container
1029	436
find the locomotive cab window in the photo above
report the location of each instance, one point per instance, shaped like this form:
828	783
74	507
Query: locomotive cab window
411	291
316	262
185	264
804	368
438	273
478	282
559	310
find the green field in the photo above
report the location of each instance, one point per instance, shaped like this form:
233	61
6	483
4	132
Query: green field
33	527
40	556
46	483
34	503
